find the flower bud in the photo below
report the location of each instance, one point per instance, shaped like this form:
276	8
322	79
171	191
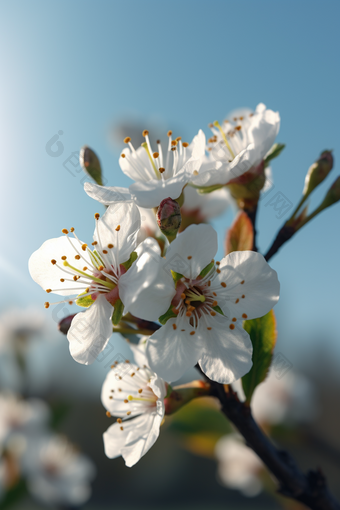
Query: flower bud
65	324
90	164
318	172
181	395
333	194
169	217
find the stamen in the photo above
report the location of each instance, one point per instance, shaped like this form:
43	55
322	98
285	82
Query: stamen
145	146
216	123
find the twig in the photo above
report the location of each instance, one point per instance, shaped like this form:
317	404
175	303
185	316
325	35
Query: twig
251	213
284	234
310	489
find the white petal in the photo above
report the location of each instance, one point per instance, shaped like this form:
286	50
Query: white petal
261	287
228	352
46	274
90	331
107	195
147	288
171	352
150	193
192	250
264	129
114	439
158	387
141	169
140	441
126	217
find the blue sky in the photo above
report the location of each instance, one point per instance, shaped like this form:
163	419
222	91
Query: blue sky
82	66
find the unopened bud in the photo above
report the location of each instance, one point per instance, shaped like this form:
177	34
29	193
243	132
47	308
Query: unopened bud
90	164
318	172
65	324
169	217
333	194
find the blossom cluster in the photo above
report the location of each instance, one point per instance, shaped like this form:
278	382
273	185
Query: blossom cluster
129	270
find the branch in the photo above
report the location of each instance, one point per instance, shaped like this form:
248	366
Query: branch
310	489
284	234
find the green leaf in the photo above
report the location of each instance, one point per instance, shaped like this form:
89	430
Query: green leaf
240	236
166	316
218	309
85	302
131	260
90	164
117	312
274	152
176	276
206	270
263	336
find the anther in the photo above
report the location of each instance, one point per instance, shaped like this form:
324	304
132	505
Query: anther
133	373
243	296
234	319
182	295
48	291
169	133
53	261
185	144
110	246
242	282
173	148
140	391
126	401
65	231
218	271
71	229
121	428
188	314
127	139
94	243
155	155
238	128
232	326
190	257
119	420
97	216
117	229
84	246
244	315
174	326
192	332
62	279
105	252
122	155
218	263
161	169
47	305
77	257
209	329
85	268
214	294
108	414
145	132
128	413
213	313
214	303
100	268
63	257
158	142
174	143
223	284
237	300
178	138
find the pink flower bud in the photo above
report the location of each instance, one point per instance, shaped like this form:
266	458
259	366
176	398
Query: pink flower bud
169	217
65	324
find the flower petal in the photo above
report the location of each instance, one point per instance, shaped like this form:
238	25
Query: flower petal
173	351
150	193
90	331
147	288
115	438
264	129
107	195
119	226
192	250
259	291
140	440
48	275
228	352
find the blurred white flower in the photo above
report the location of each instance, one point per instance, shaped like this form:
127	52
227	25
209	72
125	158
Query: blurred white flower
21	417
239	467
20	325
56	472
206	206
286	399
136	397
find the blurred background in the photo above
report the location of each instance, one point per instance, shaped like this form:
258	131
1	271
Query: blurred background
86	72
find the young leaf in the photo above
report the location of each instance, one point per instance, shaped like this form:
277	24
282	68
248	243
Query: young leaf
263	335
240	236
166	316
117	312
274	152
84	301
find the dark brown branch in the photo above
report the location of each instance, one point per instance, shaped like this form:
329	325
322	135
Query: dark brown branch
284	234
251	213
310	489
